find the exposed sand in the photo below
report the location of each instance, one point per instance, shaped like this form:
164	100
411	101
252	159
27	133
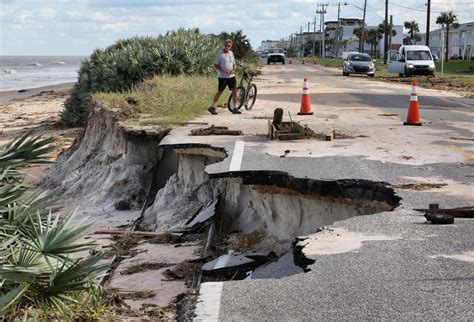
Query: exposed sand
36	110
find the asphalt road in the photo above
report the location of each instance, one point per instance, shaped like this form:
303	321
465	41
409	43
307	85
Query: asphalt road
413	270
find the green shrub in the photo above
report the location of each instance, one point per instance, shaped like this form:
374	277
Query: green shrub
37	272
129	61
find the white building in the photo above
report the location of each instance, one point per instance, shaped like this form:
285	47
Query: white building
348	41
461	41
267	44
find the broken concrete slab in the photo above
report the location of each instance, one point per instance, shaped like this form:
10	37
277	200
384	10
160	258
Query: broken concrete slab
232	263
204	215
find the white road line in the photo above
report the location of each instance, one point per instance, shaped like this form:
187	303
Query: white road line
209	302
237	156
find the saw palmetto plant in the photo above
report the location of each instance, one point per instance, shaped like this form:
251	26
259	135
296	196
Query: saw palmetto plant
36	269
126	63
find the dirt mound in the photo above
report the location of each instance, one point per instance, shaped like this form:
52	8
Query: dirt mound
442	83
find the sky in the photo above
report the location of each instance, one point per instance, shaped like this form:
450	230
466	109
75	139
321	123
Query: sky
77	27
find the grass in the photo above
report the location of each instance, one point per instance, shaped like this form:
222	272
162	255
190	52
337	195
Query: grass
165	100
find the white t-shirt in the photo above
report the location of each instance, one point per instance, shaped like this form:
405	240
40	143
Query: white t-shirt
226	61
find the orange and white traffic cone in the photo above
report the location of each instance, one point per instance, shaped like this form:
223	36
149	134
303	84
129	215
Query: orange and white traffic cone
413	117
305	100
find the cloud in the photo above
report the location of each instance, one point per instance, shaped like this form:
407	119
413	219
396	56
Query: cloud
86	24
47	13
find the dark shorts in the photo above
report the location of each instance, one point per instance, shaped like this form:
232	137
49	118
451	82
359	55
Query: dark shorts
223	82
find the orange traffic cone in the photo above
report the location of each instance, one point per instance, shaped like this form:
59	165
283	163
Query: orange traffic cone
413	117
305	100
303	61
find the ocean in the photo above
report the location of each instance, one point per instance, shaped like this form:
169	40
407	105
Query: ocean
23	72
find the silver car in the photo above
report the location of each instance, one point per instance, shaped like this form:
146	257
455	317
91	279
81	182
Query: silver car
358	64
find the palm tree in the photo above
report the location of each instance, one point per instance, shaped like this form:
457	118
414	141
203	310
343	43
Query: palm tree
381	28
36	271
358	33
412	27
373	37
241	45
447	20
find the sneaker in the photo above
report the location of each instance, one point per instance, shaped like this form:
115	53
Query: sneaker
212	110
236	111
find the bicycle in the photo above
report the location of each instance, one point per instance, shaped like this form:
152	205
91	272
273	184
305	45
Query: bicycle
246	96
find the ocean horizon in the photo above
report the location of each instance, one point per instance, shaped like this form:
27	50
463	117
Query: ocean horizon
26	72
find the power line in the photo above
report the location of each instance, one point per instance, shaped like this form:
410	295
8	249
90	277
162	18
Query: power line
415	9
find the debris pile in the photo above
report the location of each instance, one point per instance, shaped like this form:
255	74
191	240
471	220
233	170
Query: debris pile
215	130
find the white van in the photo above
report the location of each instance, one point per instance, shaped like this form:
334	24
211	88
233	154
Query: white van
411	60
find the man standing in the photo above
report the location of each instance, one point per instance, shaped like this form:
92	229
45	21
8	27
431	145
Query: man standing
225	66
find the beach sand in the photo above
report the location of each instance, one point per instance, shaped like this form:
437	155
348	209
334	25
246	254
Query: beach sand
36	110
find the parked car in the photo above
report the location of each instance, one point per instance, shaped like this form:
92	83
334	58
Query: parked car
264	54
411	60
276	55
358	64
435	58
330	55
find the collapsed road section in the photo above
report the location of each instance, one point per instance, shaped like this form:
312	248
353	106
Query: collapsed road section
168	190
272	202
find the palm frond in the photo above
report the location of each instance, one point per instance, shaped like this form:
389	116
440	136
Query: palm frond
58	236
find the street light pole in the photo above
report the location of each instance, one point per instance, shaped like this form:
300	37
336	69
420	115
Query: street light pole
337	26
428	9
337	30
361	40
321	9
385	41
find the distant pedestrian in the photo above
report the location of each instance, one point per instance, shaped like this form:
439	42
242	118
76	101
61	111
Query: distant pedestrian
225	66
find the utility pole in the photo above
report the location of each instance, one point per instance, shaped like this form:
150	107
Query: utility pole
321	9
309	23
428	9
390	33
337	29
385	40
290	51
301	38
361	40
313	53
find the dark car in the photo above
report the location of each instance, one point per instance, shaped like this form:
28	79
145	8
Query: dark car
358	64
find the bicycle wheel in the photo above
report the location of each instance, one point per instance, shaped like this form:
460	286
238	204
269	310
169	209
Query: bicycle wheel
240	99
251	97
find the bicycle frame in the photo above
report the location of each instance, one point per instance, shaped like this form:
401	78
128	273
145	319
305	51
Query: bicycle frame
247	76
245	94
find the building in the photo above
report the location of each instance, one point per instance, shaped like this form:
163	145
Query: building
267	44
461	41
298	42
348	41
